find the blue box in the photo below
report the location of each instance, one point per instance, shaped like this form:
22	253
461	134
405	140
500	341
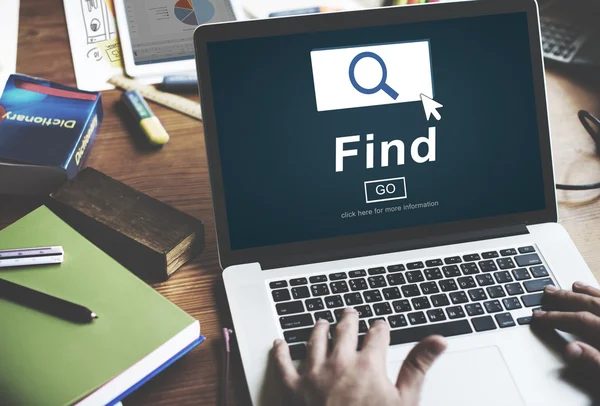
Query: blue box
46	132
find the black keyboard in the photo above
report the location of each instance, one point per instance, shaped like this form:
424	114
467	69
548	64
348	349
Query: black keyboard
460	294
561	40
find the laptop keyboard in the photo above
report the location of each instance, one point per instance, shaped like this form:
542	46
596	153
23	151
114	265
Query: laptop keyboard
461	294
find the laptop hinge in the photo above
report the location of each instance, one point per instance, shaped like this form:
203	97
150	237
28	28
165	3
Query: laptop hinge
394	246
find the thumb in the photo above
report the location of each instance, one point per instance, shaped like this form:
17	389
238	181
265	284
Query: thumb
583	356
415	366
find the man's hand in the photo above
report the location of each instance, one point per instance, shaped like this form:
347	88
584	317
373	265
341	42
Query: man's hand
348	377
578	313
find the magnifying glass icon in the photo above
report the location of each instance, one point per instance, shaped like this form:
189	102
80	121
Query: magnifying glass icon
382	83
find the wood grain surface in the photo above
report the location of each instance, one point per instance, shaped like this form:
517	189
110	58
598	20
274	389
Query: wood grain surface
178	175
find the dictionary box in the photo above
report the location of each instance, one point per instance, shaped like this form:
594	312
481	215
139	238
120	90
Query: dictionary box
46	132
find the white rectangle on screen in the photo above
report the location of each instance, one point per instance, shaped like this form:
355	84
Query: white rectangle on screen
372	75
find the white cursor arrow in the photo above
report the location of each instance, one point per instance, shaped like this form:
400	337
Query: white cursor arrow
431	107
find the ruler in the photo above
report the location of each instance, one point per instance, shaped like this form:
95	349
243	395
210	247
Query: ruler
31	256
172	101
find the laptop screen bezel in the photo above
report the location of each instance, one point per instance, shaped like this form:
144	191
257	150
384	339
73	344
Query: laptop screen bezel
374	242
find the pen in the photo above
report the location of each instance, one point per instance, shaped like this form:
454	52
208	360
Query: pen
45	303
179	83
148	122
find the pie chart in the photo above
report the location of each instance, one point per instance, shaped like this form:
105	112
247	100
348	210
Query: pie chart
194	12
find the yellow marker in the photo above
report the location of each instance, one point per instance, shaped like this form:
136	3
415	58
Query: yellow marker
149	123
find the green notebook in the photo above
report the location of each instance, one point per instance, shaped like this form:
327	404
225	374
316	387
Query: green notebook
45	360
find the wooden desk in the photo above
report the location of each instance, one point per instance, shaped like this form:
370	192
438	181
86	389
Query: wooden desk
178	175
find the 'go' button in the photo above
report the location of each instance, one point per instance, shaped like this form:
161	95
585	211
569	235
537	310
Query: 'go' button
384	190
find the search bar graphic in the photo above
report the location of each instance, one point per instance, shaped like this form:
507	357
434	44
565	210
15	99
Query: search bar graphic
362	76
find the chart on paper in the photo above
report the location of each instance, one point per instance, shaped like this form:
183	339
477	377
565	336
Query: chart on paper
188	14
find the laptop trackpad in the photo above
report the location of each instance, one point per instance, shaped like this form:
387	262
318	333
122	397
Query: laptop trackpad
469	378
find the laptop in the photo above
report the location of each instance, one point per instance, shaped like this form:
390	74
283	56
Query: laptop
398	161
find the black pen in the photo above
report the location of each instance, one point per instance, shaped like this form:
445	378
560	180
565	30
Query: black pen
45	303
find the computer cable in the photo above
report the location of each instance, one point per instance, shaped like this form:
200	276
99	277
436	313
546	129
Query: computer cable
592	126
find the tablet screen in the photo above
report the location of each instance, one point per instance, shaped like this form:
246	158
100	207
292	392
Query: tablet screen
162	30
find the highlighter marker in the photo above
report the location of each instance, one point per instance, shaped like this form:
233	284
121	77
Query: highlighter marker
149	123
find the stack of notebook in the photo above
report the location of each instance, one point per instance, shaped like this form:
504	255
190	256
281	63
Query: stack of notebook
51	361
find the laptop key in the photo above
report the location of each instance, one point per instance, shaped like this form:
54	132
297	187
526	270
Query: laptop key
372	321
484	323
391	293
358	284
381	309
364	311
417	318
508	252
539	271
528	259
415	265
490	254
532	300
526	250
429	287
487	266
466	282
474	309
440	300
372	296
296	336
455	312
278	284
338	313
410	290
396	268
415	334
401	306
524	320
397	320
485	279
362	327
448	285
521	274
289	307
511	303
505	263
339	287
301	292
420	303
396	279
377	271
281	295
451	271
469	268
298	352
433	274
358	273
414	276
505	320
503	277
458	297
318	279
300	320
320	289
376	281
471	257
452	260
298	281
514	289
477	294
537	285
336	276
436	315
434	262
326	314
334	301
315	304
495	292
353	299
493	306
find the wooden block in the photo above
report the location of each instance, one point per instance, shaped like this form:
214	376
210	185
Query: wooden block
149	237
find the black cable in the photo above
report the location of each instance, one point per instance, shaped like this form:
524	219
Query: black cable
588	121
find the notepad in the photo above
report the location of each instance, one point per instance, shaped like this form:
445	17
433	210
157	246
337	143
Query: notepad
47	360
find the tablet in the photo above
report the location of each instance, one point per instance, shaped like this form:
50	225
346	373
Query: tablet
157	35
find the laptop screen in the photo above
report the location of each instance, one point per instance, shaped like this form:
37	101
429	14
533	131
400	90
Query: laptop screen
342	132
